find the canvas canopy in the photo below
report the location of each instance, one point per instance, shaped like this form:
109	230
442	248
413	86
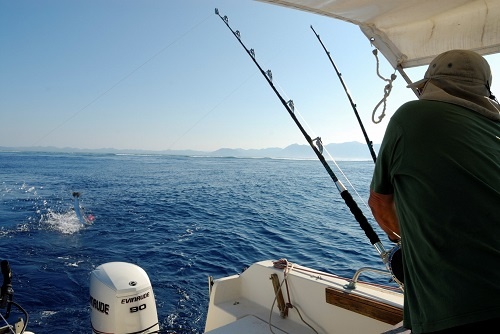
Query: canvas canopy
411	33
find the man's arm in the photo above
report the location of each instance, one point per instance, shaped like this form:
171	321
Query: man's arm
384	211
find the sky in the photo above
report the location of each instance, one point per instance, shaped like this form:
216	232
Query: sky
169	75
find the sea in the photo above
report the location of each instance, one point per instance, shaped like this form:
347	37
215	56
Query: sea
180	218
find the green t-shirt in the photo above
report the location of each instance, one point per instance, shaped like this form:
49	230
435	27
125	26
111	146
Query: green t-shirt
442	163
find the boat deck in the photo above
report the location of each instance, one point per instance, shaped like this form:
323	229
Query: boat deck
321	300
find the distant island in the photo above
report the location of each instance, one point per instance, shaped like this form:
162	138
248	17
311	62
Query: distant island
340	151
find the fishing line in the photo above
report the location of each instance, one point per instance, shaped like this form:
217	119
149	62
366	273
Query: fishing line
210	111
296	111
121	80
358	214
346	90
368	141
394	255
317	147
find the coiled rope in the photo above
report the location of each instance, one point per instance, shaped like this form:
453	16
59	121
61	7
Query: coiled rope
287	268
387	90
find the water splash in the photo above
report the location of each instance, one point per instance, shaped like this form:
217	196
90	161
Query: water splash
66	222
43	209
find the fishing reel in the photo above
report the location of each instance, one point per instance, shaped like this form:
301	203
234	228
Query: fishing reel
394	262
6	302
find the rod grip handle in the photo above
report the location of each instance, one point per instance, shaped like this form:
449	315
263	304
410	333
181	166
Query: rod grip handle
360	217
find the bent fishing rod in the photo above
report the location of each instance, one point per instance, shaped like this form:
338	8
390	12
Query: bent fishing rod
353	105
353	207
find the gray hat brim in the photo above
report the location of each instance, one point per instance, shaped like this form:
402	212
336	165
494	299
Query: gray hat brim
418	84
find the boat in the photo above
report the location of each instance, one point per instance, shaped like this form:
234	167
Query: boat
275	295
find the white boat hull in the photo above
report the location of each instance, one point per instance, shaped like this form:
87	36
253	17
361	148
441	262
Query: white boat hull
242	303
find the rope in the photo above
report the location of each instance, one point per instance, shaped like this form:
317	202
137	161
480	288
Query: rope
283	264
387	91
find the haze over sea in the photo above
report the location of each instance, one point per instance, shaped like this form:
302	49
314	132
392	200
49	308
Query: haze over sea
180	218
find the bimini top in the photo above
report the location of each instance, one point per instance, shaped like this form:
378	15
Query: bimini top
412	32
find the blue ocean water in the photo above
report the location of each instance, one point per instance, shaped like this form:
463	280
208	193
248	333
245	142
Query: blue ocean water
180	218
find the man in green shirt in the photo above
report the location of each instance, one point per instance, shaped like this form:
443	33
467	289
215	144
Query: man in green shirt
436	185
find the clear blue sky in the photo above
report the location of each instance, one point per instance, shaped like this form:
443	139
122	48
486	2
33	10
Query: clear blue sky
143	74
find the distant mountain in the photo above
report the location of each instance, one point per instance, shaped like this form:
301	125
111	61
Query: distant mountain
340	151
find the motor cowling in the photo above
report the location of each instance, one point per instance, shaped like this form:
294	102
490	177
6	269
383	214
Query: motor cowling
122	300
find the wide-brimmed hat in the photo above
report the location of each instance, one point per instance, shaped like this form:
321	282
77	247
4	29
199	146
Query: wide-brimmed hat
460	77
463	65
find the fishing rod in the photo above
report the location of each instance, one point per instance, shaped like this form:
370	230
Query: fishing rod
353	105
394	259
353	207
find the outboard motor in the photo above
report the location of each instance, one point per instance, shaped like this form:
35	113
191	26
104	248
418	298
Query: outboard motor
122	300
